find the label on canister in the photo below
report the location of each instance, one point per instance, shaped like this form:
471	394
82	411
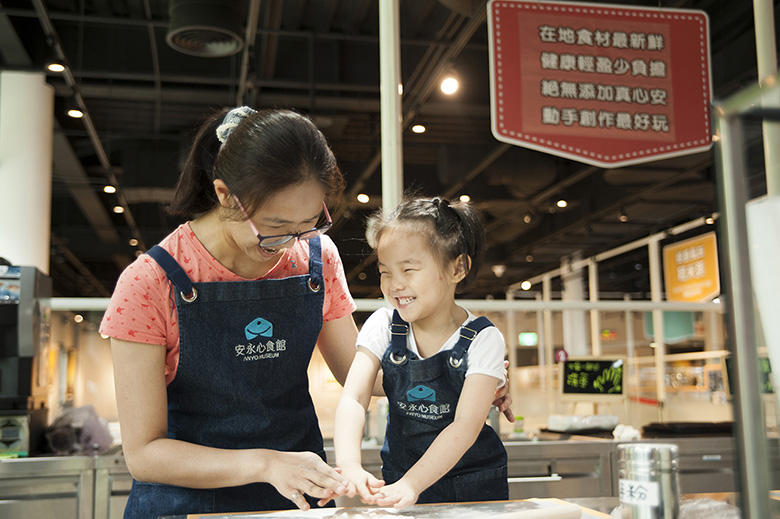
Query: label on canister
634	492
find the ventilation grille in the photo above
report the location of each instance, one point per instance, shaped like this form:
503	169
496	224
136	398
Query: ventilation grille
205	28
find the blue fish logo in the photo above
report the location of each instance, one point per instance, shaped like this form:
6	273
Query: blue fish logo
259	327
419	393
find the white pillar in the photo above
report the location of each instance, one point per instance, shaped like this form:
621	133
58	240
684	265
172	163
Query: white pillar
390	103
574	333
595	316
26	130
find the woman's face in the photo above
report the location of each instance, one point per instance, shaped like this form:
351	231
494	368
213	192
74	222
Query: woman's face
292	210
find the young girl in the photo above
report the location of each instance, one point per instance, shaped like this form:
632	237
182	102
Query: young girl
441	365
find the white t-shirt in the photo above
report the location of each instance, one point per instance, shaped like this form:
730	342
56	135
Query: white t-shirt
486	353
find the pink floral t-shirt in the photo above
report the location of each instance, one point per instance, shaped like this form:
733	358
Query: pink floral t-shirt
142	308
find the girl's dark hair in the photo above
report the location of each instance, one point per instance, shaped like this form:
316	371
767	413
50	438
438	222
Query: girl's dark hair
268	151
452	228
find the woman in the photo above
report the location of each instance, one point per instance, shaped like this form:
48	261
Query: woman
212	330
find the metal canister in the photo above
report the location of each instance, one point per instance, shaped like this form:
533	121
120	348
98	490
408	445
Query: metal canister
648	480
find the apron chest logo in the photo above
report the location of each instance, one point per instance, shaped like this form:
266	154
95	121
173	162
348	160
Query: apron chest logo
421	393
258	327
421	403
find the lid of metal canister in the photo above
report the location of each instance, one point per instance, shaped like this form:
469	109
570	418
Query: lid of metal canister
660	456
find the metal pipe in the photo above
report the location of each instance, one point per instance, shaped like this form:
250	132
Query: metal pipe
595	316
658	322
766	54
748	409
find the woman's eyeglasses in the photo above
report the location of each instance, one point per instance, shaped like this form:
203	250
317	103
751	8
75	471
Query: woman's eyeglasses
277	240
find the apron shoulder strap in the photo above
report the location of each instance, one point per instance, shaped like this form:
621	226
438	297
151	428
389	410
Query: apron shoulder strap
468	333
315	261
172	269
399	329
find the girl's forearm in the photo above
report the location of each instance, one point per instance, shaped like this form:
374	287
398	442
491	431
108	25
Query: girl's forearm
348	434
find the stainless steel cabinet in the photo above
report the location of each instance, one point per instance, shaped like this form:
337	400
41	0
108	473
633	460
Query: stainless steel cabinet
559	469
47	487
112	487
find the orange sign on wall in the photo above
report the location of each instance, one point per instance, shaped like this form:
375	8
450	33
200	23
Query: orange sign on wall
691	269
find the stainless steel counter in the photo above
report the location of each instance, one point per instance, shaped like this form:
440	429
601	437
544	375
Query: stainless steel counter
97	488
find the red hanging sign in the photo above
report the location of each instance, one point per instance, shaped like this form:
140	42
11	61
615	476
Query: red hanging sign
602	84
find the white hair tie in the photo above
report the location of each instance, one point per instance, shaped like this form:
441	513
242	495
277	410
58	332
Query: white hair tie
232	119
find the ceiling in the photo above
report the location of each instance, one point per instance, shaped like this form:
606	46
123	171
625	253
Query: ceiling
321	57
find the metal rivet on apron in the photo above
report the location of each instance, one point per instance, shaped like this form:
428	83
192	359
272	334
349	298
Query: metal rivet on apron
313	287
192	297
395	360
455	363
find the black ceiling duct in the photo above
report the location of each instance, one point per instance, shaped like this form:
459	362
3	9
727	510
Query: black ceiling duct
205	28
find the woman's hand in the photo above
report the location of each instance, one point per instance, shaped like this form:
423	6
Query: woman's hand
361	482
398	495
502	400
294	474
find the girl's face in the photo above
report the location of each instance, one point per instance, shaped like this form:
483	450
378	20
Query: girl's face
412	279
292	210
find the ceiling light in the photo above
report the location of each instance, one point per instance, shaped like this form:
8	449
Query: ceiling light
118	209
449	85
465	198
529	258
528	217
55	66
709	220
78	318
418	128
138	253
109	189
525	285
76	113
561	203
498	270
363	198
623	217
133	242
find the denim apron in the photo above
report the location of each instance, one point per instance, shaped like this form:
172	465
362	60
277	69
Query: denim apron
241	381
423	395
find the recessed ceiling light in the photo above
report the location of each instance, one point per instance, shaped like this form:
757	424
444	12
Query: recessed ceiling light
75	113
418	128
363	198
465	198
109	189
525	285
449	85
562	203
118	209
55	66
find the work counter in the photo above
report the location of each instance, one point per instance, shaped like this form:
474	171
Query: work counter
97	487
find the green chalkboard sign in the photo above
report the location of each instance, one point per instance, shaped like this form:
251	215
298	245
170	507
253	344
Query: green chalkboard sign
764	375
592	379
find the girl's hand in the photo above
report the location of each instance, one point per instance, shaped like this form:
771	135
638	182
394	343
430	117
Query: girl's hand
361	483
294	474
398	495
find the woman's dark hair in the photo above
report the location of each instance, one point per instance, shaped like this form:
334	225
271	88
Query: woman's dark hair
268	151
452	228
